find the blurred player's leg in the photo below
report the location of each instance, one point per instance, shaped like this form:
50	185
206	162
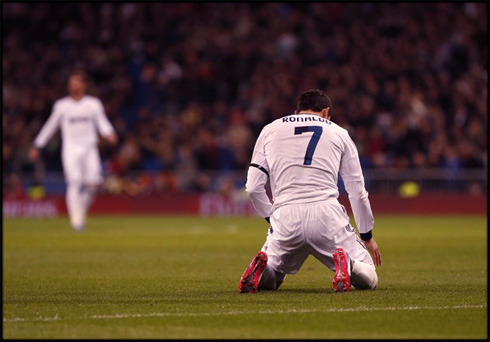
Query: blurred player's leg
89	192
74	204
72	167
92	177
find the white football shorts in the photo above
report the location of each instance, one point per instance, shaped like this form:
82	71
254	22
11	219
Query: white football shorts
316	228
81	164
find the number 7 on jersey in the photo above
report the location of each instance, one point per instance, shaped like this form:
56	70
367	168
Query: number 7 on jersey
317	132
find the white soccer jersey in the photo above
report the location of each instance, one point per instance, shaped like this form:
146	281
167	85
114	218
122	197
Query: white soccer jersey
79	121
303	155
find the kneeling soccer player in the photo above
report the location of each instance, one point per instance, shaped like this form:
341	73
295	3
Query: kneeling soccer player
301	155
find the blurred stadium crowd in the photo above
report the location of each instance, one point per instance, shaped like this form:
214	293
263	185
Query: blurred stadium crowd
189	86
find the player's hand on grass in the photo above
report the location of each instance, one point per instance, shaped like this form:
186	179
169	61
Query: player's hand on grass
34	154
372	247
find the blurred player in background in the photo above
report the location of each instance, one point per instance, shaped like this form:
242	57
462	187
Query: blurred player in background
80	116
301	155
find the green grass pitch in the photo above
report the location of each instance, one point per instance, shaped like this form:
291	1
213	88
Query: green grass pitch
177	277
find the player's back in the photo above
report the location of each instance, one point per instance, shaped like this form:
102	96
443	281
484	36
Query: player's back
303	153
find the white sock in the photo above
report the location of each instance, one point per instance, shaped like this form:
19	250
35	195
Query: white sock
363	276
75	206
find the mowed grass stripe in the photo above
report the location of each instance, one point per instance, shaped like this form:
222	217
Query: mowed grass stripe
230	313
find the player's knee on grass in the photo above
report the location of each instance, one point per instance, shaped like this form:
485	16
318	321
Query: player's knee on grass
363	276
279	279
270	279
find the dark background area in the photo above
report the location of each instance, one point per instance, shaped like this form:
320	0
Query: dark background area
189	86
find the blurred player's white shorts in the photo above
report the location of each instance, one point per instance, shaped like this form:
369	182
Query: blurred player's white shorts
314	228
81	164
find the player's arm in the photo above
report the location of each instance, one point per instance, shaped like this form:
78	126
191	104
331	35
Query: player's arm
351	172
104	126
255	187
46	132
258	174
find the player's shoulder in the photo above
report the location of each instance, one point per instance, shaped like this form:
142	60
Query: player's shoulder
93	102
92	99
61	105
268	127
339	128
271	127
63	100
340	131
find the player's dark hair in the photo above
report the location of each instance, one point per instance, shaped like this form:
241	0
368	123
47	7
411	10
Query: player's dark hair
315	100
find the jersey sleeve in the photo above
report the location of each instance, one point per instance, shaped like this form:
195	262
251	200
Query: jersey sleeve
49	127
258	174
351	173
104	126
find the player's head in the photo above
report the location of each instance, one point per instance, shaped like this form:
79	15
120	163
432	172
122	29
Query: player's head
316	101
77	83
